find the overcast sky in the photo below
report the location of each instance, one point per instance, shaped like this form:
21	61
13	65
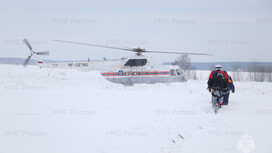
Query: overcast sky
233	30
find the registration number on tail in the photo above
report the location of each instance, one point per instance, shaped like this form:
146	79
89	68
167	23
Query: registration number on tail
78	64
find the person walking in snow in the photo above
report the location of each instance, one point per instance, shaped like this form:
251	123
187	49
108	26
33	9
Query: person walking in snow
231	88
218	83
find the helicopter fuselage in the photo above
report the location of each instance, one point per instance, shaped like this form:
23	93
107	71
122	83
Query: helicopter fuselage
128	70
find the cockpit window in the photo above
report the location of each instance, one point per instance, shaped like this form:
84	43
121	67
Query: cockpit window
179	72
136	62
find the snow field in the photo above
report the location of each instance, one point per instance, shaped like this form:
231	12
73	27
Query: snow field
71	111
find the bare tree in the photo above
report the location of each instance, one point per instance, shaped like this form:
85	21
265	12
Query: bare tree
259	72
269	79
237	75
184	62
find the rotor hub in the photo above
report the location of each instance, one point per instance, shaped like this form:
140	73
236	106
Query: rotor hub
138	51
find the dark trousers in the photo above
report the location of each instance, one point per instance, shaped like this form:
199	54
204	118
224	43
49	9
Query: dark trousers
226	99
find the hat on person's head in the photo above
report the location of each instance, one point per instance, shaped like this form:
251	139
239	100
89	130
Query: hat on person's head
218	67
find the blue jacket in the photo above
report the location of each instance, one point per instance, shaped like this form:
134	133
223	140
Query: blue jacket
231	85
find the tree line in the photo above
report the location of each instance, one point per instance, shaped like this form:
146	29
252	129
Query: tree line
255	71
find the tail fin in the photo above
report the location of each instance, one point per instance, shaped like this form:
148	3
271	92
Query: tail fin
34	54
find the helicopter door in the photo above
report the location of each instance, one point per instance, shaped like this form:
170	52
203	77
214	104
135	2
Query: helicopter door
140	75
111	76
155	73
173	72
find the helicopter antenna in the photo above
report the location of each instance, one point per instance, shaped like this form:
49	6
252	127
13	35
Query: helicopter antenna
138	50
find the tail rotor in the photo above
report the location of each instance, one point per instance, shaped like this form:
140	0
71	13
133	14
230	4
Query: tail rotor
32	53
27	60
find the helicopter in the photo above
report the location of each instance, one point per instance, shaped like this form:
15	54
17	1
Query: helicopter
135	69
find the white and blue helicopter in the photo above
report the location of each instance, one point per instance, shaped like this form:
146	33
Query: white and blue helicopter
130	70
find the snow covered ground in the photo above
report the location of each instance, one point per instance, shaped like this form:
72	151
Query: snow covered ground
80	112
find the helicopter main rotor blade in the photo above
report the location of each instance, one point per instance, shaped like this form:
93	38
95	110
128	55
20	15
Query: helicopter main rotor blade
27	60
27	43
42	53
79	43
164	52
137	50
